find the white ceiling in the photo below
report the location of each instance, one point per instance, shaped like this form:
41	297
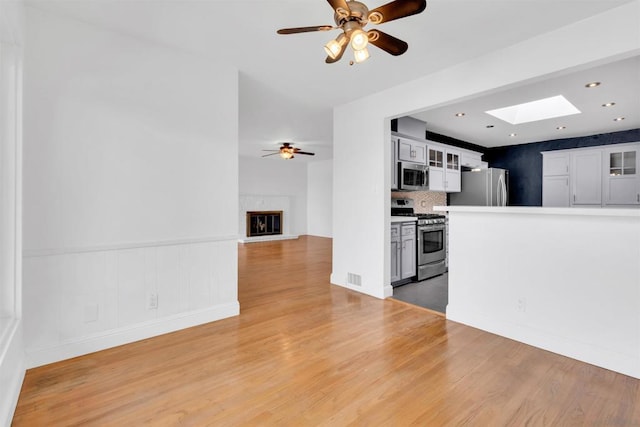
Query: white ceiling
287	92
620	84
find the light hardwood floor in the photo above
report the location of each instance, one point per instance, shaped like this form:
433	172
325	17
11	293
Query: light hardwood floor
304	352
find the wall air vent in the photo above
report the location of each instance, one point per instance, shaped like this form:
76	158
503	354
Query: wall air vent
354	279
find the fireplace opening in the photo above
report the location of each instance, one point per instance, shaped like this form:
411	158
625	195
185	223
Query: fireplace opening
264	223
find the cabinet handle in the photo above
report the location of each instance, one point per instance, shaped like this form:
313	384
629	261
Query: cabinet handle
574	197
638	197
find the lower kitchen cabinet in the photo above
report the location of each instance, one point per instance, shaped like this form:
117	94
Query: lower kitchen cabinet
622	176
396	252
403	251
409	254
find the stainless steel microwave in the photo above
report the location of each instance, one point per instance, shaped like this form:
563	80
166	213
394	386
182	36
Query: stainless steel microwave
413	176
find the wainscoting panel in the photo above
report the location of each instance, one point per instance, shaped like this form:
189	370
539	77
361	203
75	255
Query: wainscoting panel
85	300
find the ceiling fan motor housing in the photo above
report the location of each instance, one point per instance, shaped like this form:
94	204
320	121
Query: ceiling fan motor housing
358	12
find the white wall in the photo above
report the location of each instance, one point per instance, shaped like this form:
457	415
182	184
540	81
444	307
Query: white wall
276	178
130	189
12	358
541	276
360	242
320	198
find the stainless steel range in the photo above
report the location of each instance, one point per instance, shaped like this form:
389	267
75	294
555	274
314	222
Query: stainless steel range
432	238
432	245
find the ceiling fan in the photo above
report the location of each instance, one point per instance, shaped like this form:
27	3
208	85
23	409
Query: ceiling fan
287	151
352	16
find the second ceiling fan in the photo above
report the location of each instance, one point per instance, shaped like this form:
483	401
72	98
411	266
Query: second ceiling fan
287	151
352	16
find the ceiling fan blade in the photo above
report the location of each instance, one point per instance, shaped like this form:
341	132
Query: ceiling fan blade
305	152
272	154
305	29
331	60
395	10
387	43
338	4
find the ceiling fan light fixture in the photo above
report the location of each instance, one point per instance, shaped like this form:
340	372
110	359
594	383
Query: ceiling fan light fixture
286	154
361	55
359	40
334	47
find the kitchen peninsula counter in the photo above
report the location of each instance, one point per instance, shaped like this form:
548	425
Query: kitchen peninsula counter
563	279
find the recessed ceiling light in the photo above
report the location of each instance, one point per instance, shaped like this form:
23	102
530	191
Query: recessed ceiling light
459	114
489	126
609	104
542	109
513	134
618	119
561	127
592	84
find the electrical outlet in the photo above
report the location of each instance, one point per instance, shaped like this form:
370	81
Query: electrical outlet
522	305
152	301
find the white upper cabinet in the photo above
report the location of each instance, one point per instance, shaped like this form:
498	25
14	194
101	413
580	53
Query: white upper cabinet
622	175
445	162
452	172
586	177
436	169
555	163
444	169
555	179
471	159
598	176
412	151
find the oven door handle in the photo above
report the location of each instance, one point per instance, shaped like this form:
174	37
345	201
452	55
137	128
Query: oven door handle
431	227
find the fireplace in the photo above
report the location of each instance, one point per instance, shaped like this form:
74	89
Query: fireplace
264	223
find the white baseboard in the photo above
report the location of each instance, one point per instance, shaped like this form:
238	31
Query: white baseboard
12	369
129	334
267	238
388	291
585	352
362	289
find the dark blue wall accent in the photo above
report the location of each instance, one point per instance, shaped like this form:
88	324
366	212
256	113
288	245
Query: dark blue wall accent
524	162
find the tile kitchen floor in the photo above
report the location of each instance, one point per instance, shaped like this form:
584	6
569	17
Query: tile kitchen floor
432	293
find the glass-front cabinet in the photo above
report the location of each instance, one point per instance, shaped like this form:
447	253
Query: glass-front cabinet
452	174
622	163
622	183
436	158
444	169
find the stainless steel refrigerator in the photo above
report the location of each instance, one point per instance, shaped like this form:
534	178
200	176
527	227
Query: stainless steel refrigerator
484	187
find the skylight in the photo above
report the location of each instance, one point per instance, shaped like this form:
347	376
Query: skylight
542	109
